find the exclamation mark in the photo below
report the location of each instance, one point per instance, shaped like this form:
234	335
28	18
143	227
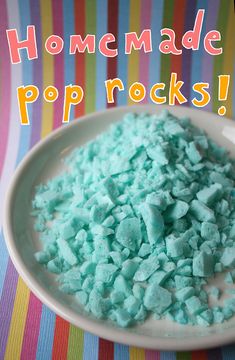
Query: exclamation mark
223	92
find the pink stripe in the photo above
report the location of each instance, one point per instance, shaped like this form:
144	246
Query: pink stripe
5	84
32	327
152	355
145	21
207	66
57	9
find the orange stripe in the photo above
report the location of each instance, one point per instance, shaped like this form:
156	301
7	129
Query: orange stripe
200	354
61	339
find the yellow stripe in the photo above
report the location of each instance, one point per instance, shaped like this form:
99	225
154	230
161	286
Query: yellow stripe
229	59
136	354
19	314
133	63
75	345
48	66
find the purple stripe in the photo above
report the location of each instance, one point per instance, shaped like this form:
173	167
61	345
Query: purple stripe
214	354
187	54
6	305
37	73
207	66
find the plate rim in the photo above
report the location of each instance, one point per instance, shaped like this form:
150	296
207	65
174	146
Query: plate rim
87	324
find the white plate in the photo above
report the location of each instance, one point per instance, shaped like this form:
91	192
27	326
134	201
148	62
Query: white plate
43	162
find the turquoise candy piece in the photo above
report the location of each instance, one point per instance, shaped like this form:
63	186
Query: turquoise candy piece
153	221
140	220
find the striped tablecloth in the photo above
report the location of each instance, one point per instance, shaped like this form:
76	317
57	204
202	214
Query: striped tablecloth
28	329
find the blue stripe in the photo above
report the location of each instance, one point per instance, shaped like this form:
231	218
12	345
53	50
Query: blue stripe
27	77
4	261
197	56
167	355
155	55
122	66
228	352
121	352
101	61
91	347
46	334
69	60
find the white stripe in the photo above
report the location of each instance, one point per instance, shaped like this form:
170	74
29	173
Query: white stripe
14	126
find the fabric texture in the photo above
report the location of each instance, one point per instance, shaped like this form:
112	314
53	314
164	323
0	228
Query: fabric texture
28	329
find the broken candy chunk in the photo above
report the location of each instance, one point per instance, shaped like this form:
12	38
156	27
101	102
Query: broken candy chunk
157	298
193	153
176	211
228	257
147	268
105	272
210	231
209	194
201	211
203	264
175	247
128	233
67	251
153	221
158	154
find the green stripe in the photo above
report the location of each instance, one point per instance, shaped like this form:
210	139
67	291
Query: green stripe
90	58
183	356
218	60
166	58
75	345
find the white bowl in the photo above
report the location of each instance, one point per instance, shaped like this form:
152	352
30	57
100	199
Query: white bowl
43	162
